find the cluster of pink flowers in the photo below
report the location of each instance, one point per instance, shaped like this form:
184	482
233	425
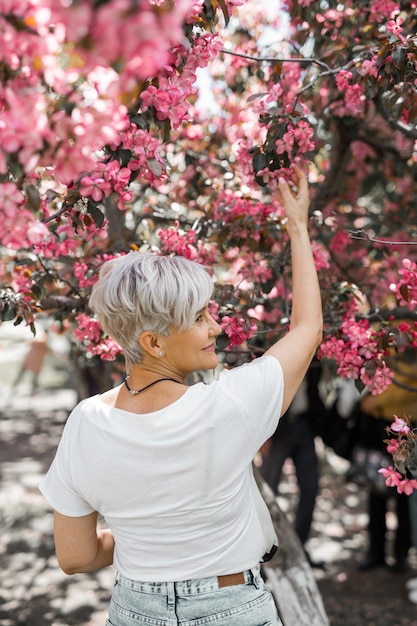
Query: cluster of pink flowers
89	334
107	349
403	448
237	329
84	274
179	242
170	97
80	137
405	288
246	268
380	10
354	99
242	216
18	226
144	40
321	256
63	100
69	236
394	26
332	20
369	67
357	354
299	135
146	160
106	179
88	330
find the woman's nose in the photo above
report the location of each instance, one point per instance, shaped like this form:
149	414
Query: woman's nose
215	328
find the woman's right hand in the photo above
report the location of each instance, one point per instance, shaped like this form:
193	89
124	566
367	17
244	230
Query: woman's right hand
296	201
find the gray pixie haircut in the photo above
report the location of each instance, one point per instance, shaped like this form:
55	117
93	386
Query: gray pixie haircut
144	291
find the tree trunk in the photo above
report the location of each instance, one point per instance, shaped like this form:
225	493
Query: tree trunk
289	574
91	378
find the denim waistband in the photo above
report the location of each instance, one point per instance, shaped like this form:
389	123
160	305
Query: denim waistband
184	587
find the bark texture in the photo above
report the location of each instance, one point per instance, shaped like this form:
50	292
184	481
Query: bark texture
289	574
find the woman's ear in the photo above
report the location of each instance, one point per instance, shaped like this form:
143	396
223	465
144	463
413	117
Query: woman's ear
151	344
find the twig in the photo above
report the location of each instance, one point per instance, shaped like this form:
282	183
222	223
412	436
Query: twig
363	235
277	60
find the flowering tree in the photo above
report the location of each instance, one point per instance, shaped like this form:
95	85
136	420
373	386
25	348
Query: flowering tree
105	148
403	447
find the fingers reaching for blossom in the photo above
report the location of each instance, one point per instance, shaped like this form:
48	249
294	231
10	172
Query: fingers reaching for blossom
294	196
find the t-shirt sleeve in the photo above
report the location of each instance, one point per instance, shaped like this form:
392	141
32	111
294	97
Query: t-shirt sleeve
57	486
257	389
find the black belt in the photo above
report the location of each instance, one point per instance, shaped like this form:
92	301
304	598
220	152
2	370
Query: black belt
268	555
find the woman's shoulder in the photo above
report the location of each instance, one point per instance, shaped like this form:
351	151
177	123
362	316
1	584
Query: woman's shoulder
84	407
256	376
260	364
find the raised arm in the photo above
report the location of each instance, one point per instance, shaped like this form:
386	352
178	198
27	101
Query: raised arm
296	349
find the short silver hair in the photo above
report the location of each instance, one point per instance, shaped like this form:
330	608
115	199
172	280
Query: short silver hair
145	291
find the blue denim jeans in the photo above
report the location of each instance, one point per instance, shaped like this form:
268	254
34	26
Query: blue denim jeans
197	602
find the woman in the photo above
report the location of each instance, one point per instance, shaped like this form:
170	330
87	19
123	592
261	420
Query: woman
169	466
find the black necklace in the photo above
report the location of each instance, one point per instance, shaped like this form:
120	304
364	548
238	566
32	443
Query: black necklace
134	392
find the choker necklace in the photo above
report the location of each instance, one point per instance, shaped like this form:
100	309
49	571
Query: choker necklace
134	392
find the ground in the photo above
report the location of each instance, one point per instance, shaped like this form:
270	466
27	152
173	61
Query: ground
34	592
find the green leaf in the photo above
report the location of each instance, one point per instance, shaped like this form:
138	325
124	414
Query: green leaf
255	96
259	161
37	290
9	312
155	167
96	214
359	385
33	199
223	7
404	292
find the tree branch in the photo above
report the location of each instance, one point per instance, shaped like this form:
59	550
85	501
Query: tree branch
408	131
361	234
61	303
308	61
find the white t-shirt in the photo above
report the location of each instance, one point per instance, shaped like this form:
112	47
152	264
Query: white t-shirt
175	486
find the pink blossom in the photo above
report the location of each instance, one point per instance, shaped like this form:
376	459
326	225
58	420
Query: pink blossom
395	27
107	349
406	486
392	446
379	381
84	275
369	67
400	426
238	330
343	79
36	231
96	187
392	477
321	256
87	330
382	9
11	198
180	242
405	288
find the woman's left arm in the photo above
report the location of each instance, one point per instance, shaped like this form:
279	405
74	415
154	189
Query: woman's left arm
80	546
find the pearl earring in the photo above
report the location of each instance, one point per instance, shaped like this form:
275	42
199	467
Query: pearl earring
161	353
